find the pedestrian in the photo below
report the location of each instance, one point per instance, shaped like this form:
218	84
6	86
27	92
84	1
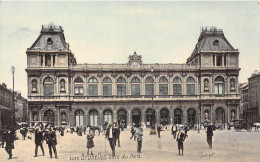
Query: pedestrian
174	130
186	128
2	137
51	140
117	134
139	136
38	141
84	129
9	139
159	131
209	135
132	132
90	141
180	139
111	138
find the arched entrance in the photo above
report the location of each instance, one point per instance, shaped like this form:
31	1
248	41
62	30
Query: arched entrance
177	116
108	116
49	116
150	117
93	116
79	118
122	116
191	116
164	113
220	115
136	117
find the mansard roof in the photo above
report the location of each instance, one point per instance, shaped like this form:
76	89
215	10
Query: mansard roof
51	38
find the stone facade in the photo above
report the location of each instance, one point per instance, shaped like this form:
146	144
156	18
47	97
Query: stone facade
60	90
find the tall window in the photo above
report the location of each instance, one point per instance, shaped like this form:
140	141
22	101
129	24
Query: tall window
107	86
34	86
62	85
121	86
149	89
49	116
177	85
206	85
177	116
107	116
93	117
191	116
219	85
93	87
232	84
79	118
47	60
48	85
78	86
135	86
190	86
163	86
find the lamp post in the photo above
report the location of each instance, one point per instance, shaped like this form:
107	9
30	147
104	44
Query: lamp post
152	132
13	70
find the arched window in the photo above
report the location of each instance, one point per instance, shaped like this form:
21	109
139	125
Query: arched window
177	116
135	86
220	115
34	86
48	85
150	117
62	86
49	116
122	118
79	118
177	86
219	85
149	86
191	116
163	86
121	86
78	86
164	113
190	82
107	86
206	85
107	116
232	84
136	117
93	87
93	117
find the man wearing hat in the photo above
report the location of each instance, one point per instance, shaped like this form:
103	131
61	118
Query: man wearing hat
51	140
209	134
139	136
38	140
180	139
110	136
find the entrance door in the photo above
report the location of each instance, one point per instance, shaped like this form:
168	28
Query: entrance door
149	116
164	117
49	116
79	118
136	117
122	116
220	116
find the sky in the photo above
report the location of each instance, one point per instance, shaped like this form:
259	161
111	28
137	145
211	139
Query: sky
108	32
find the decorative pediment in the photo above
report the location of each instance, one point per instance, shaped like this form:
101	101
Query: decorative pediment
135	59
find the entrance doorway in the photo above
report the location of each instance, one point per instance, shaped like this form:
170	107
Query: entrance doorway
220	116
164	117
136	117
150	117
49	116
122	116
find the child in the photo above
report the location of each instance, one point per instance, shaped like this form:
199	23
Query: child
90	141
139	136
180	139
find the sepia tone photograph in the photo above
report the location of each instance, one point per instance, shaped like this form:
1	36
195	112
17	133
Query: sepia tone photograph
130	81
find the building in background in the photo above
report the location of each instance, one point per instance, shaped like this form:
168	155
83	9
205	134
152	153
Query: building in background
61	91
244	105
21	108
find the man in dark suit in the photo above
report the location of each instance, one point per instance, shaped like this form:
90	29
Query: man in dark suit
38	140
51	140
116	134
159	131
209	135
9	139
110	136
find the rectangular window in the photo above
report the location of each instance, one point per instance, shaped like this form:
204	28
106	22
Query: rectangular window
135	89
48	89
121	89
78	89
92	90
176	88
218	88
213	60
107	90
149	89
190	89
219	60
163	89
47	60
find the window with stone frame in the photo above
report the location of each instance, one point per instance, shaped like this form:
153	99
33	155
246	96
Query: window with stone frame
78	86
48	86
163	86
107	86
190	85
135	86
93	87
149	86
121	86
219	85
177	88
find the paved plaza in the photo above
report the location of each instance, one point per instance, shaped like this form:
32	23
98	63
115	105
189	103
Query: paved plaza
227	146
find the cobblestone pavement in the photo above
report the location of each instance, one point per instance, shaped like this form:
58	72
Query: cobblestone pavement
227	146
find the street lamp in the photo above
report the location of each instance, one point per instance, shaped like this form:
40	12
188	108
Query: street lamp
13	70
152	132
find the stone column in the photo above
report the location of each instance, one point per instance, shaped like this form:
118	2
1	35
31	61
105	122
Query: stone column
100	119
222	60
58	115
185	117
171	118
43	58
228	113
114	117
215	60
51	60
56	61
129	122
128	86
143	119
211	113
157	117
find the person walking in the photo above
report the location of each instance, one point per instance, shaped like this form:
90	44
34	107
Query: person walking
38	141
90	141
117	134
110	136
2	137
9	139
180	139
174	130
159	131
186	128
209	135
139	136
51	140
133	132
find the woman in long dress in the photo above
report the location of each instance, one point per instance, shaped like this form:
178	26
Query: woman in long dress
90	141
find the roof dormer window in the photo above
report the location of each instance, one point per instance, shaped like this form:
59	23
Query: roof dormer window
49	41
216	42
